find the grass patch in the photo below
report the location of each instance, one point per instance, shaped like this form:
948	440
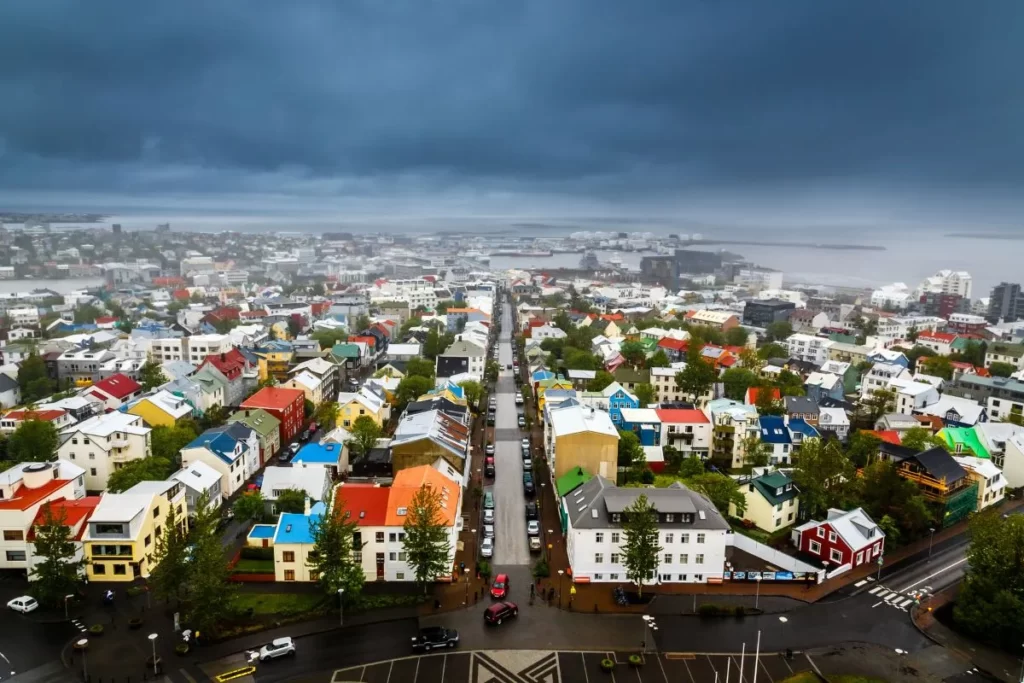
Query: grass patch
250	566
284	604
760	535
854	679
802	677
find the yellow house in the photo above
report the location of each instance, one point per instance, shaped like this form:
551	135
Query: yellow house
294	541
274	364
582	437
123	531
162	409
280	330
389	370
352	406
545	384
773	502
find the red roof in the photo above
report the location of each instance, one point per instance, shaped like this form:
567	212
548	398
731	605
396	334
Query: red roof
105	319
390	323
73	512
369	341
886	435
752	393
320	307
537	323
181	294
614	317
26	497
118	386
230	364
672	344
43	415
274	398
224	313
982	372
684	415
261	313
944	337
366	504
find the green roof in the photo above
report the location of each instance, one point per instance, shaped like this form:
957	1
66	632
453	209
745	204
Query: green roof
1015	350
572	480
259	420
768	484
650	345
967	438
345	351
842	338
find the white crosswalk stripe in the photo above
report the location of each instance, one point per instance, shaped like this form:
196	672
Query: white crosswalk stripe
876	590
904	603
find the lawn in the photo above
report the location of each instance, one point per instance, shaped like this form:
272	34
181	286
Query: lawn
802	677
248	566
284	604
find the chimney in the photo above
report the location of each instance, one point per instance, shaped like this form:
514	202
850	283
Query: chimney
305	509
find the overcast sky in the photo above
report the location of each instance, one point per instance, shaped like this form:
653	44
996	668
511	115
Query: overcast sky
477	106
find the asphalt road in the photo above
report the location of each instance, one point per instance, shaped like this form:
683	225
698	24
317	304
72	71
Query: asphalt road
510	543
25	641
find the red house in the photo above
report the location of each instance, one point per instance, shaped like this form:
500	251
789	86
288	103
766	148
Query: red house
230	364
116	390
846	538
284	404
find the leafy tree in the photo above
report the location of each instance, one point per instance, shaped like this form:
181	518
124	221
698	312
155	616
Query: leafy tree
578	359
659	359
779	330
915	352
170	574
33	380
756	453
737	380
143	469
640	549
821	473
691	467
991	598
308	408
426	541
790	383
361	323
1002	369
365	433
151	375
58	572
33	441
697	378
166	442
87	313
443	306
891	530
214	417
419	367
210	593
327	414
250	506
750	360
492	371
634	353
772	351
473	391
290	500
883	492
736	336
720	489
411	388
630	450
917	438
973	353
601	381
327	339
644	393
333	556
939	366
862	448
766	403
877	404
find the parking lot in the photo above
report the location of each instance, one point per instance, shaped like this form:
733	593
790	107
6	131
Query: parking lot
533	666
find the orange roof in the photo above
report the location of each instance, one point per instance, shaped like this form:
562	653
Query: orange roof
752	393
275	398
673	344
43	415
26	497
886	435
408	481
681	415
366	504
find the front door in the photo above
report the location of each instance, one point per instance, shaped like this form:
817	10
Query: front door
380	566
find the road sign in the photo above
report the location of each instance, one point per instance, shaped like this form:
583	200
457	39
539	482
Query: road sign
881	558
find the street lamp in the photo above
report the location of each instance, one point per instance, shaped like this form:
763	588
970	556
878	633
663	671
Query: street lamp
83	645
931	539
152	639
561	573
899	653
341	607
66	598
757	594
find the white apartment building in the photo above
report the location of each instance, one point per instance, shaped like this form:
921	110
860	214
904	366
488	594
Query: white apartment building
896	295
758	278
23	315
808	348
104	443
665	388
898	327
417	292
23	489
990	480
912	395
192	349
693	534
957	282
879	377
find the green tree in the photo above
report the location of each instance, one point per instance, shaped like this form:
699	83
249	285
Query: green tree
290	500
822	473
779	330
1002	369
630	450
640	549
737	380
250	506
697	378
365	433
720	489
492	371
419	367
333	556
473	391
883	492
87	314
166	442
442	306
601	381
633	352
876	404
766	403
772	351
691	467
736	336
151	468
991	598
790	383
578	359
33	441
645	394
917	438
426	543
973	353
151	375
939	366
411	388
170	574
659	359
361	323
327	415
327	339
57	573
210	593
33	380
756	453
862	448
914	353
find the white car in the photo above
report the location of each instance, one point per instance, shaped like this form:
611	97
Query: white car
526	443
487	547
488	531
489	516
280	647
24	604
533	528
519	398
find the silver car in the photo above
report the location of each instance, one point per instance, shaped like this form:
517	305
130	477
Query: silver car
488	516
488	531
533	528
487	547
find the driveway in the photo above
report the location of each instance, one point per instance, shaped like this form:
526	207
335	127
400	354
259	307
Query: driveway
510	547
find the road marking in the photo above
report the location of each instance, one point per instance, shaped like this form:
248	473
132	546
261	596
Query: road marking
583	661
877	604
5	657
187	676
892	597
390	669
906	602
860	583
931	576
662	667
785	661
876	590
758	659
444	665
694	680
417	674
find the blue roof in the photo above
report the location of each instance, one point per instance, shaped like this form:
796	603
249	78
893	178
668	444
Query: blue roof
221	440
798	424
320	453
542	375
296	528
773	429
263	531
559	393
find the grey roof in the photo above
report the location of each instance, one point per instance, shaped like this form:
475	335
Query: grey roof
591	505
802	405
7	383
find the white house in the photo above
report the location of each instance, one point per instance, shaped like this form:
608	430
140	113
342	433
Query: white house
200	479
879	377
808	348
547	332
315	482
233	450
103	444
912	395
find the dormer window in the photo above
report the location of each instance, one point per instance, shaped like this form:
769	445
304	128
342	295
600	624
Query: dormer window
670	518
616	517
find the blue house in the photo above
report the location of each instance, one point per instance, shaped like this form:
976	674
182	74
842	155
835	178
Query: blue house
800	429
644	422
824	384
775	434
612	399
891	357
541	375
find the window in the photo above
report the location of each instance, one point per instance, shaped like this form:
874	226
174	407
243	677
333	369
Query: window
120	569
15	555
698	577
615	558
616	517
14	535
392	537
669	538
598	577
665	577
700	538
400	576
615	537
778	522
668	558
831	537
599	537
92	456
613	577
288	556
289	574
790	517
670	518
392	556
684	559
860	557
821	532
357	556
598	558
684	538
699	559
401	557
379	537
98	568
401	536
836	556
815	547
146	541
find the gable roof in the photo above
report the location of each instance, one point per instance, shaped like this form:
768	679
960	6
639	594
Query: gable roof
855	527
273	398
197	475
774	430
940	465
769	486
681	416
572	480
364	504
313	481
408	481
257	419
118	386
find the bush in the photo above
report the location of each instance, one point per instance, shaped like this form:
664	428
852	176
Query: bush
636	660
96	629
647	477
541	570
249	553
607	664
711	610
370	602
135	623
483	567
740	611
181	649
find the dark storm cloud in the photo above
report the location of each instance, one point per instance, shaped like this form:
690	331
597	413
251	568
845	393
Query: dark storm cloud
583	97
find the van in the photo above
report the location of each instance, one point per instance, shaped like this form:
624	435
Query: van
489	500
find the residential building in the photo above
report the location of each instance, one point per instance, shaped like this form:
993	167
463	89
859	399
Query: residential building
776	436
315	482
13	419
432	438
879	377
835	421
808	348
10	391
663	380
939	342
122	533
232	450
73	513
212	386
241	376
194	349
912	395
201	482
966	323
328	377
940	479
845	540
287	405
462	357
773	501
24	489
718	320
327	455
896	296
693	535
989	479
612	399
824	384
352	406
547	331
115	391
267	428
103	444
955	411
81	367
734	424
1012	354
581	437
802	408
1003	397
161	409
686	430
1005	303
764	312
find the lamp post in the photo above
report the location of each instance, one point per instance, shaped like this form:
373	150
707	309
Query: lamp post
83	645
561	573
899	654
66	598
341	607
931	540
152	639
757	593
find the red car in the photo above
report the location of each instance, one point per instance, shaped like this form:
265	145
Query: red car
500	611
499	589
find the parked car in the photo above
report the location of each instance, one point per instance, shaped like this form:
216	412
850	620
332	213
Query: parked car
487	547
490	419
434	638
526	442
531	510
535	544
294	448
527	461
500	611
489	449
279	647
488	500
522	422
508	366
528	487
488	516
533	528
499	589
519	398
489	467
24	604
488	531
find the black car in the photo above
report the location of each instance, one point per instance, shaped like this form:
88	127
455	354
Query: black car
528	488
531	510
435	638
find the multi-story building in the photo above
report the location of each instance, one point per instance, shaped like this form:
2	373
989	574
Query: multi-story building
162	409
989	479
115	391
846	539
233	450
416	292
103	444
287	405
1005	303
693	535
1012	354
764	312
124	529
267	428
808	348
462	357
686	430
718	320
24	315
773	501
82	367
958	282
940	479
880	376
581	437
192	349
966	323
1003	397
733	425
666	390
939	342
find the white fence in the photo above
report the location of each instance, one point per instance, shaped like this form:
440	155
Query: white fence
774	557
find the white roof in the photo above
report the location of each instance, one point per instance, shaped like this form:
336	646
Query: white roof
833	416
575	419
664	372
173	405
910	387
855	527
71	403
105	425
121	507
307	379
66	470
968	410
825	380
403	350
836	367
370	400
198	476
982	466
640	415
317	366
313	480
